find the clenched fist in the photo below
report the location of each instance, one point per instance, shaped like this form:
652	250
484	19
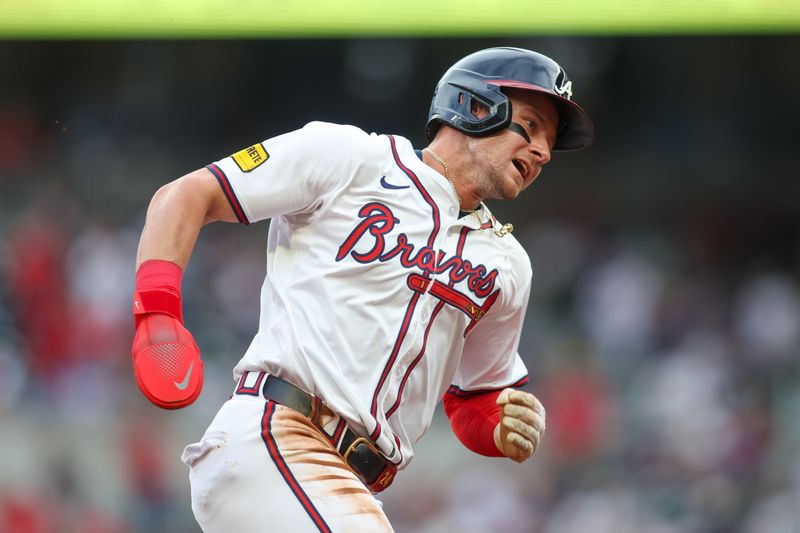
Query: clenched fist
522	424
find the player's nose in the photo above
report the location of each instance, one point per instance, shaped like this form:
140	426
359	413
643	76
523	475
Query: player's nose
540	151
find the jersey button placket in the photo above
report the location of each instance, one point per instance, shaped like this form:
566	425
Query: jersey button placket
429	302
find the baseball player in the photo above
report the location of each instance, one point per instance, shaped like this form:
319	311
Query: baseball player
389	286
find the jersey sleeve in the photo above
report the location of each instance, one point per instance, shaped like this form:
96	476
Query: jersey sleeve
489	360
289	174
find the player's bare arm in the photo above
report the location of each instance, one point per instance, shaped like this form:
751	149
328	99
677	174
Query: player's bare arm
166	358
177	212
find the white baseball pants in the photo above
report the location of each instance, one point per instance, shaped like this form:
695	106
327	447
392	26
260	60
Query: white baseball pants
264	467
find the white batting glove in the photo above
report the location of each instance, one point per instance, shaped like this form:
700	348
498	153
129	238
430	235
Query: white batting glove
522	424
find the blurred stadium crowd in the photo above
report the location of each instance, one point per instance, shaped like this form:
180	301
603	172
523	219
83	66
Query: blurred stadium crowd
663	333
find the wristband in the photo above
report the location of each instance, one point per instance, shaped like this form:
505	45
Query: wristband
158	290
473	418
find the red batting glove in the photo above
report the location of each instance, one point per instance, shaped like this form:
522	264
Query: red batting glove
166	359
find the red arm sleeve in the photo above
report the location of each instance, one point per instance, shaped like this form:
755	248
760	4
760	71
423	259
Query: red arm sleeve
473	419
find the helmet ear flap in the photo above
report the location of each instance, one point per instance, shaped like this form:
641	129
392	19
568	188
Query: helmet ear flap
453	103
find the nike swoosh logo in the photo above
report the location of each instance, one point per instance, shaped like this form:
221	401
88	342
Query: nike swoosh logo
185	383
387	185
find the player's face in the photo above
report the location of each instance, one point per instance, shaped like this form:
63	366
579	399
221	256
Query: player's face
506	163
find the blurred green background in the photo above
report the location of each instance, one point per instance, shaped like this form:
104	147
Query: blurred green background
373	18
663	331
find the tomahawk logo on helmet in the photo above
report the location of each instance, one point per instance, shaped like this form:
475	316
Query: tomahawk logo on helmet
563	85
483	75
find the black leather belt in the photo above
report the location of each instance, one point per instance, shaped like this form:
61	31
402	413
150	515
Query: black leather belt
359	453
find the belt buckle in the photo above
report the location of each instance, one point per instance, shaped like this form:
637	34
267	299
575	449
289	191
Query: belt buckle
377	473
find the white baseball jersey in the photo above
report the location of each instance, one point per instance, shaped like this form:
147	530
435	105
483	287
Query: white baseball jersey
379	297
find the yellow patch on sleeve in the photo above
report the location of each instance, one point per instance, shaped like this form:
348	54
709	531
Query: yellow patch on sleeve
251	157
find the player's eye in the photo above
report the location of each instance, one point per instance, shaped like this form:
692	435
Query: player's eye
533	126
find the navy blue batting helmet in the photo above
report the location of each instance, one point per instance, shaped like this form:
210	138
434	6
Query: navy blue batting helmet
481	76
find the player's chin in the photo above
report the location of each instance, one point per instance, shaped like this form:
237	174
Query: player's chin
515	184
510	191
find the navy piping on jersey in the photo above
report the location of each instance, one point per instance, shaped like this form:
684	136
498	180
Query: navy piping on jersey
459	250
229	194
425	194
455	391
416	360
390	363
283	468
412	304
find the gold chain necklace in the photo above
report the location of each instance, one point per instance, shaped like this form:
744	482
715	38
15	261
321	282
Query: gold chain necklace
506	229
